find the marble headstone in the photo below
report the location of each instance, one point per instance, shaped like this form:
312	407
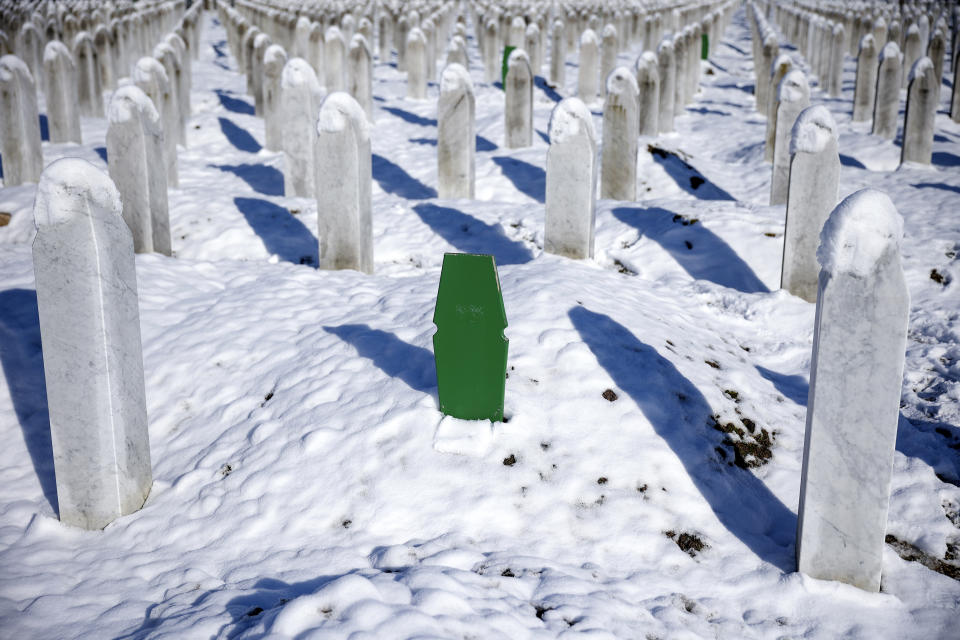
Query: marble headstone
570	213
618	175
456	142
20	143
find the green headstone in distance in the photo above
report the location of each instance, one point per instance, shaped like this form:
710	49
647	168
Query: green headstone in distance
507	50
469	346
704	46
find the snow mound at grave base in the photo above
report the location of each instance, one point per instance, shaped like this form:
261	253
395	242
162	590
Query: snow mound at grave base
860	231
813	130
70	186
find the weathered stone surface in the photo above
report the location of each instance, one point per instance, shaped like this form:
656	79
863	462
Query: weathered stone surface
588	73
811	196
60	91
864	92
618	177
794	98
299	103
360	73
778	71
570	215
918	122
150	76
416	65
90	330
886	104
343	185
274	59
648	83
138	169
667	70
856	373
20	143
456	138
558	54
518	103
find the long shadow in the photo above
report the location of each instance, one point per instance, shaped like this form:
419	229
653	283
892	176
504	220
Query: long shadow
238	137
701	253
282	233
471	235
233	104
102	152
945	159
549	91
794	388
412	118
706	111
483	144
936	185
850	161
261	178
415	366
218	48
527	178
543	135
393	179
741	502
687	177
44	128
22	359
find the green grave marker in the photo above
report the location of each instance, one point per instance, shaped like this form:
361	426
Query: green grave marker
704	46
507	50
469	346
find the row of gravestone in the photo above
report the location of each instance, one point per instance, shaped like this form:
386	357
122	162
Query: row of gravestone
89	320
86	289
73	86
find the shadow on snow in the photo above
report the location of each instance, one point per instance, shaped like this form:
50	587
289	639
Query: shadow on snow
393	179
398	359
472	235
22	359
742	503
527	178
687	177
701	253
233	104
282	233
239	138
412	118
261	178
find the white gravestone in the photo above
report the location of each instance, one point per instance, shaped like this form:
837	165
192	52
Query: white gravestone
150	76
811	196
317	48
185	78
301	38
918	122
856	373
768	53
618	171
886	105
835	65
570	212
864	92
260	45
679	60
456	138
360	75
343	185
300	101
558	55
274	59
457	52
794	98
955	96
588	73
383	33
667	70
531	44
518	102
913	48
138	169
20	143
416	65
648	83
165	54
491	52
60	91
778	71
106	61
90	330
608	54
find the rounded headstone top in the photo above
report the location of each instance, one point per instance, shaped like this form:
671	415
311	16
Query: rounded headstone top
338	111
516	57
621	81
129	100
72	187
570	118
860	231
813	130
55	49
794	87
589	37
455	78
889	51
921	67
11	65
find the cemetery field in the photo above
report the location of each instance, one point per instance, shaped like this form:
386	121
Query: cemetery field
644	482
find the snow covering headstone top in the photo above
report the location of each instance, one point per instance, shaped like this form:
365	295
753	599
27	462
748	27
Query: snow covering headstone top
343	185
469	346
856	372
20	143
456	143
90	331
570	212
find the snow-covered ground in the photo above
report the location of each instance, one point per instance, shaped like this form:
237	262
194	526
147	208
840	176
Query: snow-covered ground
304	484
